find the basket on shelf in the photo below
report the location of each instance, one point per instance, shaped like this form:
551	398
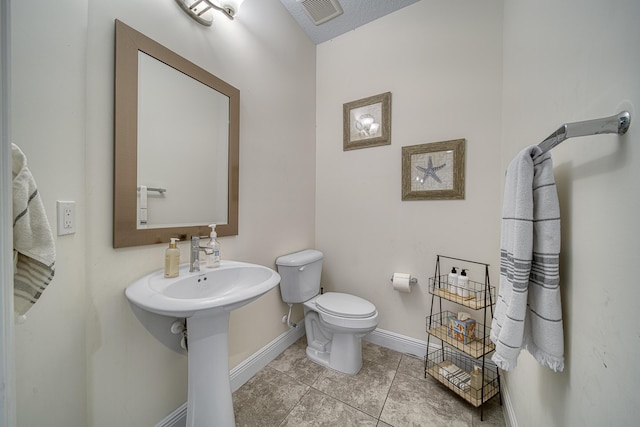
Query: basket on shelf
454	369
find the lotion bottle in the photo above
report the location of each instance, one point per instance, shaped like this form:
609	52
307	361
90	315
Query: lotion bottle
212	251
463	284
453	281
476	382
172	260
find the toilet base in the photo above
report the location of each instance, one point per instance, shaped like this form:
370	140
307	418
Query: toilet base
336	342
341	352
344	354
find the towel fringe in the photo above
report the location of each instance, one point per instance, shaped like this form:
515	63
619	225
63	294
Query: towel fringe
504	363
555	363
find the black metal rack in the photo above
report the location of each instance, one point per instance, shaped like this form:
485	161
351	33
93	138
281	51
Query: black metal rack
453	362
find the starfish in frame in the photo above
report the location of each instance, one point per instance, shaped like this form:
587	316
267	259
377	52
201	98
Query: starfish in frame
429	171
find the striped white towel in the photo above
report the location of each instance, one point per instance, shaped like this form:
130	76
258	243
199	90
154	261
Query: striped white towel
528	313
34	249
456	376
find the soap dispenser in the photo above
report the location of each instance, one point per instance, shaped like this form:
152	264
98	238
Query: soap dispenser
463	284
172	259
212	251
453	281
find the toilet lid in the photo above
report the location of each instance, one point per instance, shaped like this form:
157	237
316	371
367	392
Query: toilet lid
345	305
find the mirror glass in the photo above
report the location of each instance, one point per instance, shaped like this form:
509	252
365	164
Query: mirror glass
180	122
176	146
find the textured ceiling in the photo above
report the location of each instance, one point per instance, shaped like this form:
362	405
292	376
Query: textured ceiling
356	13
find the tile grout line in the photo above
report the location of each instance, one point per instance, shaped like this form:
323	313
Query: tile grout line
395	374
344	403
311	379
324	370
297	403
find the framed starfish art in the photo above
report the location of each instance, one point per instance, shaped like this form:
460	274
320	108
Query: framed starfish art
433	171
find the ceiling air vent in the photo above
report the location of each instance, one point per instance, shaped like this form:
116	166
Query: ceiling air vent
321	11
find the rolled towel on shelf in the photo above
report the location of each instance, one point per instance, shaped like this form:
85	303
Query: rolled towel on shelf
456	376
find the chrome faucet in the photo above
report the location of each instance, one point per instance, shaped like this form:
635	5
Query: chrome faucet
194	254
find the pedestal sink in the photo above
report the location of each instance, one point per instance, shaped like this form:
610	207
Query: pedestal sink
205	298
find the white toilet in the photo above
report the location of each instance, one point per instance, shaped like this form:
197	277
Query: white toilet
334	322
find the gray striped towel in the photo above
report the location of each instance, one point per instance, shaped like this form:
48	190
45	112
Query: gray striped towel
34	249
528	312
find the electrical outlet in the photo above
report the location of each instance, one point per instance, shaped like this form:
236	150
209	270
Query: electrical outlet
66	217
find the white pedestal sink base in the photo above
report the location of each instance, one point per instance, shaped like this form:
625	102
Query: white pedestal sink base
205	298
209	397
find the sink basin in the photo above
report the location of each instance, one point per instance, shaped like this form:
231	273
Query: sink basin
225	288
206	299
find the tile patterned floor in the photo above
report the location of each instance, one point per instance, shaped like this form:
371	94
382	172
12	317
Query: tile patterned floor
389	390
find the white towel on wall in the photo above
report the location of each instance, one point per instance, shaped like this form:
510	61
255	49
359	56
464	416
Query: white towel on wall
528	312
33	245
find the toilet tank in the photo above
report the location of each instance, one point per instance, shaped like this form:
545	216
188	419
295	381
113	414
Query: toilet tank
300	275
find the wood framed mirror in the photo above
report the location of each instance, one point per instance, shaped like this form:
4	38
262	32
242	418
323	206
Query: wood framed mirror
176	146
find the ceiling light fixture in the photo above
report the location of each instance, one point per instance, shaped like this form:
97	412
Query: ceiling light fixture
202	10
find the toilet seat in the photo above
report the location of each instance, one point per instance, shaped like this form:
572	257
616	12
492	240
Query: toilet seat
345	305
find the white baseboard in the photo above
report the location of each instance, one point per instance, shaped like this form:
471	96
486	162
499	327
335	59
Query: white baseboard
177	418
250	366
243	372
397	342
261	358
507	405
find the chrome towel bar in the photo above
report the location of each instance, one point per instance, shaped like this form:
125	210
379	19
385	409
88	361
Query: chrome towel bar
618	123
159	190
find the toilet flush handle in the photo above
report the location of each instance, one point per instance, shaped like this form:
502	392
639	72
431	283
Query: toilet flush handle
301	268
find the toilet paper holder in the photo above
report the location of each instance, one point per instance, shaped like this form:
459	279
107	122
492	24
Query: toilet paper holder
412	281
